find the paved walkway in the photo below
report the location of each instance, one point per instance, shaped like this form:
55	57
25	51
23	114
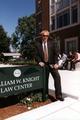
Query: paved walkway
69	109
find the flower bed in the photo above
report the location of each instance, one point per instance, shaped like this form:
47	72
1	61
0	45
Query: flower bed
13	105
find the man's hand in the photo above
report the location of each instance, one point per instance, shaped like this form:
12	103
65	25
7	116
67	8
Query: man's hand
41	64
56	66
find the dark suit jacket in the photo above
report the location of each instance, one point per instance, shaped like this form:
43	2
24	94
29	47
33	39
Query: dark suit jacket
52	52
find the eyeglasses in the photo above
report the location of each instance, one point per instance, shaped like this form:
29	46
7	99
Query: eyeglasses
45	35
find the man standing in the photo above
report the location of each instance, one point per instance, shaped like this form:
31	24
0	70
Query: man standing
47	56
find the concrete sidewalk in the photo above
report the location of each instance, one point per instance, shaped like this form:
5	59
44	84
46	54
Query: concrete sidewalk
69	109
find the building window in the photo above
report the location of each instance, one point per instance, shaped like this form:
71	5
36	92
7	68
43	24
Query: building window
66	3
66	18
71	44
52	9
73	1
74	14
58	5
63	19
59	21
52	1
61	4
53	23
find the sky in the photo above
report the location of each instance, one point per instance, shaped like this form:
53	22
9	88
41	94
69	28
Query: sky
11	10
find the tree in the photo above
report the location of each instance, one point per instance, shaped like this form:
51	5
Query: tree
4	40
24	35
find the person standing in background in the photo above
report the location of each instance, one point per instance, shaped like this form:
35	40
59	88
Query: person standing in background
70	63
76	60
47	56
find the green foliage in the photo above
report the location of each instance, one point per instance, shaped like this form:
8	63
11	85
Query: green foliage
22	62
14	41
4	43
28	51
24	35
4	40
32	97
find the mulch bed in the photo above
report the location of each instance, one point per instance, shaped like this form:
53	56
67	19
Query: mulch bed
10	106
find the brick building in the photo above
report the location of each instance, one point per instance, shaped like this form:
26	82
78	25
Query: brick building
62	19
42	15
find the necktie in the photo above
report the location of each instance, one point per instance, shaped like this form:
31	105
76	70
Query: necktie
45	52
